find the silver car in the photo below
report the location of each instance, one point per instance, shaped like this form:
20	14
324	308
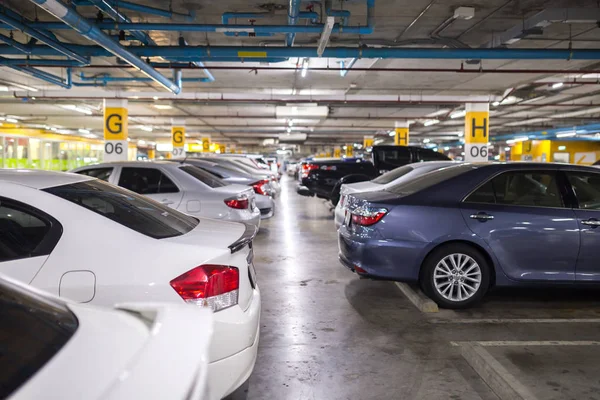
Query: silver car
261	185
181	186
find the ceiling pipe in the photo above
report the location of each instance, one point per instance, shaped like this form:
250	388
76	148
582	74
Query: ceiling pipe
105	78
106	7
93	33
345	69
45	76
141	9
12	42
204	53
414	21
293	12
42	37
311	15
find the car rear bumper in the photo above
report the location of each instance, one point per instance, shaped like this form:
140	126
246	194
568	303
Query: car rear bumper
266	205
234	330
383	259
339	215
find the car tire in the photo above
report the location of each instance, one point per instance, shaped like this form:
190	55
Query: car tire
455	276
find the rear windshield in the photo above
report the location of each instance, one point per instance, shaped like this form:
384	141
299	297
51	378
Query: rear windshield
132	210
393	175
430	179
33	329
203	176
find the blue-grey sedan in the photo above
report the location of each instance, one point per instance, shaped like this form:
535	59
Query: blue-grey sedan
459	230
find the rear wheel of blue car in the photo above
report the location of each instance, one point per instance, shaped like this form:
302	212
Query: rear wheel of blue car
455	276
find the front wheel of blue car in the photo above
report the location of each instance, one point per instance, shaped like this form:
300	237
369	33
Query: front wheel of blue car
455	276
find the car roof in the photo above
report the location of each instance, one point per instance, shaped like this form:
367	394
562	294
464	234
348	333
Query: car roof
38	179
128	163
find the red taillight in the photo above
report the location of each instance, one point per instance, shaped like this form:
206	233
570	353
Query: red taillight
238	204
368	217
214	286
306	168
261	187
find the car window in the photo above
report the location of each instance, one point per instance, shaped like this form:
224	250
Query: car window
538	189
396	156
430	179
100	173
146	181
33	330
587	189
22	232
393	175
203	176
136	212
430	155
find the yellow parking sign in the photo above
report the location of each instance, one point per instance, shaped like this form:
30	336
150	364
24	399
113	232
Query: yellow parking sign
477	127
115	123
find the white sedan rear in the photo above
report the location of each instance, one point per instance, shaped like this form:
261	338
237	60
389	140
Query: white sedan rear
89	241
56	349
181	186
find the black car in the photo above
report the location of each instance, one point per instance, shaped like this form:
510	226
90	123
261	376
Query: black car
325	178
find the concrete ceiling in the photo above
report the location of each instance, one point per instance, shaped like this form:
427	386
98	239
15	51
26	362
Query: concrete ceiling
254	118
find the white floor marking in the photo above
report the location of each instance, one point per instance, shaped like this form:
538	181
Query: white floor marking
517	321
501	343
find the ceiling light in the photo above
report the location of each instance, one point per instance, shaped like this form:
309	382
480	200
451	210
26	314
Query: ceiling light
289	130
32	97
562	148
304	68
458	114
426	140
141	142
12	120
2	118
517	139
566	134
73	107
446	148
291	122
146	128
431	122
391	133
84	131
557	85
155	97
3	88
496	103
507	149
163	106
63	131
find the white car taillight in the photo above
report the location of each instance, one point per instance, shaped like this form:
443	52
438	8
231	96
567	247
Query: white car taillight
214	286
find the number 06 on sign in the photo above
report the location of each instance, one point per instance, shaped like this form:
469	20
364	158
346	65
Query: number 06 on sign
115	150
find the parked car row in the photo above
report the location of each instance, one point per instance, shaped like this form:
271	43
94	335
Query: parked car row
458	229
133	237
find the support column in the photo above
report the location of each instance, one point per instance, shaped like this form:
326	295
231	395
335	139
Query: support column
477	131
116	130
401	138
178	137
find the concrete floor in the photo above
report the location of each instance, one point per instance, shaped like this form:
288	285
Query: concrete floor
325	334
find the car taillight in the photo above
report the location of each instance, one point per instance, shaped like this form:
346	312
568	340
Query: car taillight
261	187
368	216
306	168
237	203
342	200
214	286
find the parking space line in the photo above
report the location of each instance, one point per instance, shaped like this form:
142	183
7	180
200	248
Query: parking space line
517	321
500	343
418	298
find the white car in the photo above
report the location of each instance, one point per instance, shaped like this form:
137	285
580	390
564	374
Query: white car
84	239
394	177
181	186
57	349
251	167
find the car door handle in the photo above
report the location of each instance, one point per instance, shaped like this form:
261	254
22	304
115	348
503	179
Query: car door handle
593	222
481	216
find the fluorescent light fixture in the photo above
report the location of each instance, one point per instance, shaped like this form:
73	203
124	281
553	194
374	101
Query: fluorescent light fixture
438	113
2	118
84	131
566	134
73	107
458	114
426	140
446	148
163	106
289	130
557	85
146	128
12	120
155	97
562	148
3	88
63	131
291	122
431	122
324	40
391	133
141	142
518	139
507	149
304	68
496	103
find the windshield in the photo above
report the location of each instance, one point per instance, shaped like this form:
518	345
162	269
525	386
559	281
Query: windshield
33	329
430	179
127	208
203	176
393	175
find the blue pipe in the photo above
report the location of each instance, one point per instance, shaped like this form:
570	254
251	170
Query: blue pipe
142	9
293	12
344	70
26	62
209	76
177	77
42	37
204	53
105	6
93	33
313	16
17	45
45	76
343	14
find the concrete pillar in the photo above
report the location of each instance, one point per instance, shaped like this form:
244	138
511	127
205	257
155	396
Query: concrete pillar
178	137
401	138
116	130
477	131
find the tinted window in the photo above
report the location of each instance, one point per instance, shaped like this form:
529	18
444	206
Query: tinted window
396	156
100	173
136	212
538	189
587	189
146	181
430	179
430	155
393	175
203	176
22	233
32	331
